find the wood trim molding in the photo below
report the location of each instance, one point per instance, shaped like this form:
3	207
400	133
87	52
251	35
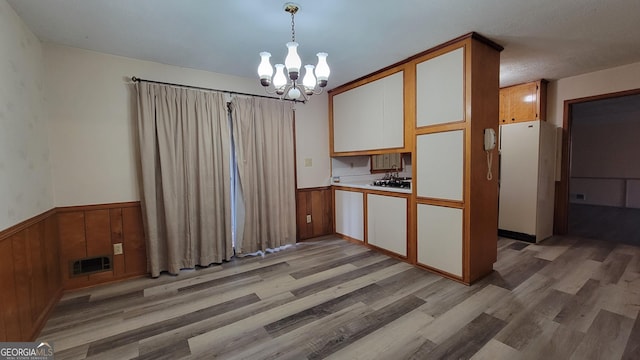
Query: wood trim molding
10	231
126	204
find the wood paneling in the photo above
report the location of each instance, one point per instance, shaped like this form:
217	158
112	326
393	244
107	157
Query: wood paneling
87	231
29	276
8	295
52	254
35	257
73	245
316	202
115	216
135	253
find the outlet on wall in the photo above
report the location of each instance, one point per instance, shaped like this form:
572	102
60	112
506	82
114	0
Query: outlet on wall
308	162
308	219
117	249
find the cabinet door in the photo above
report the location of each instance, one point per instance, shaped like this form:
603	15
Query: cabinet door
523	102
387	223
370	117
505	115
440	89
440	165
349	214
440	238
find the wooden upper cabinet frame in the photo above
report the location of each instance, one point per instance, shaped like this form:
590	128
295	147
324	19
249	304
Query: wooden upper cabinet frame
523	102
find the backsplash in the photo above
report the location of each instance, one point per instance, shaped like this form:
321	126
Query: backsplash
359	167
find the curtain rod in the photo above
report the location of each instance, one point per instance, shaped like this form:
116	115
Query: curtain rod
137	79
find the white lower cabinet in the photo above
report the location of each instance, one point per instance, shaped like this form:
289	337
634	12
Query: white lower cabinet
387	223
440	238
349	214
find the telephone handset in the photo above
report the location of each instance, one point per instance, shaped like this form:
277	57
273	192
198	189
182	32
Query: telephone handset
489	139
489	144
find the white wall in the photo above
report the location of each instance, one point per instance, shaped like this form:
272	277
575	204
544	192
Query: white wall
312	142
92	111
25	170
616	79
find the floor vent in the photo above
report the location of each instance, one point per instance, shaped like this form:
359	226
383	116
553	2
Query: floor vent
90	265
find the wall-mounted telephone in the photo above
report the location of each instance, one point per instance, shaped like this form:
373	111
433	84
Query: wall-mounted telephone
489	144
489	139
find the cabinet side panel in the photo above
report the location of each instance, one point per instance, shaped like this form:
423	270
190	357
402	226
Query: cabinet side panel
546	181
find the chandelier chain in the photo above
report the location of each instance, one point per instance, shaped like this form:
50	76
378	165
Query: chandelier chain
293	28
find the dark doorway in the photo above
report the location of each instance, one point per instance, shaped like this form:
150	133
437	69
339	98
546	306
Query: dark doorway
602	165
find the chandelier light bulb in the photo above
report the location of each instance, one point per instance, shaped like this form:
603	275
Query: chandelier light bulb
279	79
322	69
293	61
294	93
265	71
309	81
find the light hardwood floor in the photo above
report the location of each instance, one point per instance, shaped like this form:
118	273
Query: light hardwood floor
564	298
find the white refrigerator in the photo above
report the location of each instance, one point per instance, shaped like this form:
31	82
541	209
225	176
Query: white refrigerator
527	180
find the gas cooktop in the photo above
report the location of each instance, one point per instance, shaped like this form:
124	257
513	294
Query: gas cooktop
403	183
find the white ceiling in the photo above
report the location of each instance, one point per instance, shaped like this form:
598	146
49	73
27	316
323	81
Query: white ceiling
548	39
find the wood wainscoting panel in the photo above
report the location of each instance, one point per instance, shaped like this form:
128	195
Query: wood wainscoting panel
37	263
97	225
135	250
316	202
91	230
30	282
52	255
98	232
73	245
22	274
115	220
8	297
36	255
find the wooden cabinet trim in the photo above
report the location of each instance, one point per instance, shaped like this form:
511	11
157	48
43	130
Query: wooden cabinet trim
10	231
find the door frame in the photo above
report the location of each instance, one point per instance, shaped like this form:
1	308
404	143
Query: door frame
561	213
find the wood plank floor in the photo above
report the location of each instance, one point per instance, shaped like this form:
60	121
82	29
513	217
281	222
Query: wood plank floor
566	298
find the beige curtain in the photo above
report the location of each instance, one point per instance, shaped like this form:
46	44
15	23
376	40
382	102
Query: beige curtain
263	136
184	152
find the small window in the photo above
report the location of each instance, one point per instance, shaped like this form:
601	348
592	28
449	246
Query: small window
386	162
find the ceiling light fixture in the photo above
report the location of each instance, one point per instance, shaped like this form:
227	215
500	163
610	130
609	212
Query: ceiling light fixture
292	89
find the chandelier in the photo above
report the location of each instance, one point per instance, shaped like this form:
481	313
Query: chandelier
291	88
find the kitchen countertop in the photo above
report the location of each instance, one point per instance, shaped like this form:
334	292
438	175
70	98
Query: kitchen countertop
367	186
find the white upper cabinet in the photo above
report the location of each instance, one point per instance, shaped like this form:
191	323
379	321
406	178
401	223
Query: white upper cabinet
370	116
440	89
